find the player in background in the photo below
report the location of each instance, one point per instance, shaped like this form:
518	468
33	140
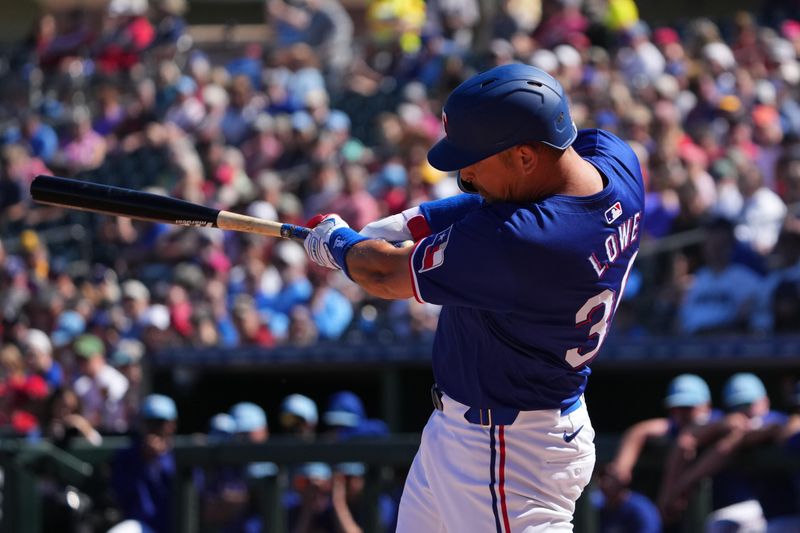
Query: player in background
620	509
688	404
789	439
741	502
529	268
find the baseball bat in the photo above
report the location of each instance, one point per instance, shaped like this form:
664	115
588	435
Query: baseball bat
110	200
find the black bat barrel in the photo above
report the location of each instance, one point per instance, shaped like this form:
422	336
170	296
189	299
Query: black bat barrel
112	200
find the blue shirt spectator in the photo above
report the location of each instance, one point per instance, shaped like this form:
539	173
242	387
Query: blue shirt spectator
142	475
41	137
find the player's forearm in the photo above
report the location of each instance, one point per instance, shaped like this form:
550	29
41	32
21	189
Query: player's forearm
627	455
381	269
633	441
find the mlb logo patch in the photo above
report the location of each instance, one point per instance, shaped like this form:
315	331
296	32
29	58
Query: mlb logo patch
613	212
434	252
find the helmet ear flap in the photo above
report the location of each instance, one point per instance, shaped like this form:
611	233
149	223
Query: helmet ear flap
465	186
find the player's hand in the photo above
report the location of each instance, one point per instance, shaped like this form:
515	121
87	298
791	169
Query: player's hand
317	243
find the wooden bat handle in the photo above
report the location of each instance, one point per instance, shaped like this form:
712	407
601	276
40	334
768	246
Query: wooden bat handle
236	222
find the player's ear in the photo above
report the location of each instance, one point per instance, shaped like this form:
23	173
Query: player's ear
528	157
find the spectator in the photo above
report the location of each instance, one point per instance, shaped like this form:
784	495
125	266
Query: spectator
40	137
135	302
100	387
21	397
722	295
354	204
65	421
762	213
187	111
111	111
39	358
127	34
143	475
127	359
68	325
250	325
84	148
786	272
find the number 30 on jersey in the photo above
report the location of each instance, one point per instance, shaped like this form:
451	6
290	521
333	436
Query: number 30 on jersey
609	301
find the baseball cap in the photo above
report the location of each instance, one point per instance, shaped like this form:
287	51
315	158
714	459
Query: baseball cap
221	424
302	121
69	325
248	417
88	346
128	351
344	409
38	340
135	290
743	389
315	471
351	469
544	59
687	390
186	85
158	407
665	35
337	121
157	316
300	406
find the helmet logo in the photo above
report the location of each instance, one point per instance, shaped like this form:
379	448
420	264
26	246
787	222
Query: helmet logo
560	118
444	122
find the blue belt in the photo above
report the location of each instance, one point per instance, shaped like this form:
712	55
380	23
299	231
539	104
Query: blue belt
502	416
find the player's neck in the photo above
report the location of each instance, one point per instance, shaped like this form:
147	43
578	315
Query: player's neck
579	177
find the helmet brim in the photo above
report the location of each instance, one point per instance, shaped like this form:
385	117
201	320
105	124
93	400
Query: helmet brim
447	157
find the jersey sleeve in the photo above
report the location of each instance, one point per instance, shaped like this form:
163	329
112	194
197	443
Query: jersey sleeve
467	264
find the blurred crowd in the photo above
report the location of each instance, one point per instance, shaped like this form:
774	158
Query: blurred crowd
334	114
318	118
705	442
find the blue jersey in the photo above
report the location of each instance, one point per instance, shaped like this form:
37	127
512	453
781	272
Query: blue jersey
529	290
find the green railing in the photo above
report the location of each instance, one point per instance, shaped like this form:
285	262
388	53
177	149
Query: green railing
25	463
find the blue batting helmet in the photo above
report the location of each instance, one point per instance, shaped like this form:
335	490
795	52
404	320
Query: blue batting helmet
500	108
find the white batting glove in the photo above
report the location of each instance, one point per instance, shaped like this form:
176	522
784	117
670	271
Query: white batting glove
317	243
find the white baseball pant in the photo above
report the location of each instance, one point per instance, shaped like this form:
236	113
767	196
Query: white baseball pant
523	478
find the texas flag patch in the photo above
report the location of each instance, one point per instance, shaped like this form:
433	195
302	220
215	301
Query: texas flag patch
434	252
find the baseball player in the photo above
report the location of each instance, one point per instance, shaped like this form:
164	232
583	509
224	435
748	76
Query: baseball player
528	267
